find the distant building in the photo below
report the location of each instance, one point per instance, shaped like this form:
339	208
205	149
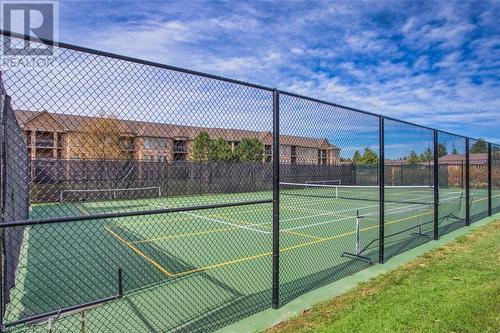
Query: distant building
453	159
62	136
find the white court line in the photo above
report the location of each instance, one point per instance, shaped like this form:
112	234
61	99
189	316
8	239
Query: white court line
341	219
334	212
231	224
224	222
316	224
347	210
299	218
328	213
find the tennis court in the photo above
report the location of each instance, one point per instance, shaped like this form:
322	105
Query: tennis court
141	197
178	255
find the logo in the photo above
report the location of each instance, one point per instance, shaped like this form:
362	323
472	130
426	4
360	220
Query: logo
39	22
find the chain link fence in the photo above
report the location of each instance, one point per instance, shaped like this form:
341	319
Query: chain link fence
141	197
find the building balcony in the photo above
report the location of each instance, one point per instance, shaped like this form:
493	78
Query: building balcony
44	143
128	147
180	149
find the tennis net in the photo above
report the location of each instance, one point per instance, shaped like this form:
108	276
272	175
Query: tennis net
401	194
325	182
415	220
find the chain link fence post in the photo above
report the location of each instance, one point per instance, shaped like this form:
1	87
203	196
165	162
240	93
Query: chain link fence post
276	200
381	180
489	181
436	186
467	182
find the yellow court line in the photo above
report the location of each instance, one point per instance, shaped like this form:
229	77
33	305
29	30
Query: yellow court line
139	252
235	261
82	210
302	234
286	249
223	216
157	221
189	234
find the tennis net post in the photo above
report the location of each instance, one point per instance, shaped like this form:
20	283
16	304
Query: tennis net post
357	246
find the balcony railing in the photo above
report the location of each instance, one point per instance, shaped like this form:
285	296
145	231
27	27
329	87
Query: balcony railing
127	146
44	143
180	149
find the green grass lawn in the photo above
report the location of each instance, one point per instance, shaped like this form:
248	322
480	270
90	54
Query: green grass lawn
455	288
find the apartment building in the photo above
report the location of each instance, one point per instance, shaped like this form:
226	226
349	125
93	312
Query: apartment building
62	136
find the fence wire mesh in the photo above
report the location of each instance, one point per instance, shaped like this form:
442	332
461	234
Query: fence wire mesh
495	175
478	169
139	197
320	239
108	136
409	221
14	192
451	153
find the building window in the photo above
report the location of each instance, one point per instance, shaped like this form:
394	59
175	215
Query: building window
180	150
60	139
155	143
126	143
108	140
293	154
44	140
78	141
179	157
322	156
44	153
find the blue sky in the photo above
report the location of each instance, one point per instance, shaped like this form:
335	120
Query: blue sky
435	63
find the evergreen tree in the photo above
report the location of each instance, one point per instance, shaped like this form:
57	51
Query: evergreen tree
250	150
202	148
413	158
357	157
442	151
221	151
369	157
426	156
480	146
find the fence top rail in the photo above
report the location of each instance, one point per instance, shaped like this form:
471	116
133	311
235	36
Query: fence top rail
88	50
291	94
408	123
101	216
454	134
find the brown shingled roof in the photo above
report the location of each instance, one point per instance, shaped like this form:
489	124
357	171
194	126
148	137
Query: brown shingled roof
479	158
77	123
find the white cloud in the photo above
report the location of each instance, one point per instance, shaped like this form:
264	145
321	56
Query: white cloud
432	63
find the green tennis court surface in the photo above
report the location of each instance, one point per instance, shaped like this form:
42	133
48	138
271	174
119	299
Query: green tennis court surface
207	262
